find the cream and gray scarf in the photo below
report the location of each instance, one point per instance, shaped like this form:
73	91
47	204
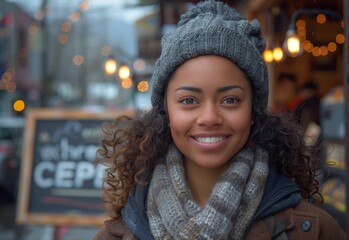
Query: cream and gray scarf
173	214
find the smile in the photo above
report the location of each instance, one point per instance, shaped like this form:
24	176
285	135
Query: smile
209	139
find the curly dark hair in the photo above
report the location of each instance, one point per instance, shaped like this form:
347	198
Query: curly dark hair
132	147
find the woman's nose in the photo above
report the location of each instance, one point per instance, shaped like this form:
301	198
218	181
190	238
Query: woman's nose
209	116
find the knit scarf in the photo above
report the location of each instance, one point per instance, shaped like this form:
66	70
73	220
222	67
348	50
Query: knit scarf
173	214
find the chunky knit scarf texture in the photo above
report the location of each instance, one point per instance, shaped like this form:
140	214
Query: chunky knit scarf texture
173	214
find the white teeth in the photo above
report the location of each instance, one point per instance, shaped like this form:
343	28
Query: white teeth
209	139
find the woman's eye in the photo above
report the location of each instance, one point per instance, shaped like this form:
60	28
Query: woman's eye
230	100
188	101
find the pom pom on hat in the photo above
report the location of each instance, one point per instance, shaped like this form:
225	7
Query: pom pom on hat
213	28
211	7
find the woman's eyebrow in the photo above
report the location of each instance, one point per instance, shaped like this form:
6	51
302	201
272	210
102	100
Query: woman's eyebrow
198	90
226	88
188	88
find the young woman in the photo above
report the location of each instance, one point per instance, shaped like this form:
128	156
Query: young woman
209	161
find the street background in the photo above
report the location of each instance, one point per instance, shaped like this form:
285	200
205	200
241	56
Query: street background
76	63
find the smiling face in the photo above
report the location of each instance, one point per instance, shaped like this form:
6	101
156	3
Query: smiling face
209	103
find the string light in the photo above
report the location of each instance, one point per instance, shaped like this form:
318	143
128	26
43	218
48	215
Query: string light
126	83
143	86
268	55
292	45
124	72
278	54
110	66
19	105
322	50
296	42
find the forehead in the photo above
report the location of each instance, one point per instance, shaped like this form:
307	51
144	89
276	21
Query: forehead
208	69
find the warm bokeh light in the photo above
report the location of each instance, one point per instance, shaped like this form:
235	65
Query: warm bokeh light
124	72
143	86
300	24
316	51
19	105
66	26
268	55
302	32
323	50
139	65
110	66
278	54
63	38
84	5
78	59
307	46
126	83
293	45
340	38
321	18
75	16
332	46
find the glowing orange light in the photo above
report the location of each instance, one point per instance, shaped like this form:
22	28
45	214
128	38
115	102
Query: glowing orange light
66	26
124	72
300	23
332	46
323	50
143	86
316	51
321	18
307	46
63	38
340	38
110	66
78	59
268	56
19	105
84	6
126	83
75	16
278	54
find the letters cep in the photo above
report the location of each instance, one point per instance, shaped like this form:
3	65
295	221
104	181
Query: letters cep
67	166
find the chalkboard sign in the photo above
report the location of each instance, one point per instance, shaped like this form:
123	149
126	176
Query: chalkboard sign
60	184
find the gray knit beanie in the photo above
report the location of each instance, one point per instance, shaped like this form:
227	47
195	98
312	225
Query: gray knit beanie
213	28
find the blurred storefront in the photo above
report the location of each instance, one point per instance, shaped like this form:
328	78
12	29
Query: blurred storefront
321	57
98	55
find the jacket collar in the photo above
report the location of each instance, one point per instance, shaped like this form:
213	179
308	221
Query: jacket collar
280	193
134	213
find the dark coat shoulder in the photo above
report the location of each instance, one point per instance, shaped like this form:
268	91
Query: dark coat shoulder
304	221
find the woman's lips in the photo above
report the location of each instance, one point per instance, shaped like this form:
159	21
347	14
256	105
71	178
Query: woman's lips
209	139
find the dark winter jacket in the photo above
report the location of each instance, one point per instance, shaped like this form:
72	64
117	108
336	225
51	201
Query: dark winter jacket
281	215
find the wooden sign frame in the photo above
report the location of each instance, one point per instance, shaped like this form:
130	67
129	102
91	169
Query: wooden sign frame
23	215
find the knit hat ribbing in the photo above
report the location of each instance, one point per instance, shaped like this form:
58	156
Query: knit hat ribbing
213	28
